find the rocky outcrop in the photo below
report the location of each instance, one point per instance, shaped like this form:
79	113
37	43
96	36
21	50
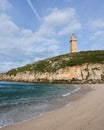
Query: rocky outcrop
86	73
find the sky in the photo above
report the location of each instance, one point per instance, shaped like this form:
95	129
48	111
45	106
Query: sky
32	30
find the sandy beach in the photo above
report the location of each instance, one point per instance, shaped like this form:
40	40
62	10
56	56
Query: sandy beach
86	112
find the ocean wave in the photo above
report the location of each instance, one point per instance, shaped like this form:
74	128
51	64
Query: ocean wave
7	118
68	104
22	102
65	95
43	106
77	89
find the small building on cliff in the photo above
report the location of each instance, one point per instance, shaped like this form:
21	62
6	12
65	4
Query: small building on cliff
73	44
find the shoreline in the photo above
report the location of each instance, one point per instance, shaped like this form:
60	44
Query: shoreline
67	96
54	119
75	82
8	119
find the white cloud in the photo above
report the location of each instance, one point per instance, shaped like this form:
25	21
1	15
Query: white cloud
97	30
59	21
97	24
59	17
97	40
70	28
21	46
4	5
98	34
7	27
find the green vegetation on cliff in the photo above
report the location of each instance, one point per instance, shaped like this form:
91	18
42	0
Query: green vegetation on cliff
61	61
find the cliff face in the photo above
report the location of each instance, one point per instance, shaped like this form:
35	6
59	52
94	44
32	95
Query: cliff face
80	67
85	73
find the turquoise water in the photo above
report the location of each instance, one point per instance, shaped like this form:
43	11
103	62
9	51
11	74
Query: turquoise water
23	101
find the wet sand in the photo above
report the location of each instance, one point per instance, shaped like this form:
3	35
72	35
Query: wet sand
86	112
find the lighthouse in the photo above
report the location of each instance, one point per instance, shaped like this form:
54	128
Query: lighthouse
73	44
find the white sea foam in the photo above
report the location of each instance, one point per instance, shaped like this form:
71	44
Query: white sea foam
29	105
68	104
77	89
43	106
6	118
65	95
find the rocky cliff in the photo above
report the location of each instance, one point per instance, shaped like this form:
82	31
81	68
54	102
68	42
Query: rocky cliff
62	69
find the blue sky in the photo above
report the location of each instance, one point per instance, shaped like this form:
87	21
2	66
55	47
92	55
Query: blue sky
32	30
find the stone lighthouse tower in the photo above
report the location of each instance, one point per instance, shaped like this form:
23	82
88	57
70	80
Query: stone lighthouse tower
73	44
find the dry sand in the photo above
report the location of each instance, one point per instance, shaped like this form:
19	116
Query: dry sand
86	113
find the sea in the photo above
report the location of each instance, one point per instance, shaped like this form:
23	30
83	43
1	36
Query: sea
23	101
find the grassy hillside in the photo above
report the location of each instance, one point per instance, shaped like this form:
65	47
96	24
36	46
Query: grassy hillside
61	61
